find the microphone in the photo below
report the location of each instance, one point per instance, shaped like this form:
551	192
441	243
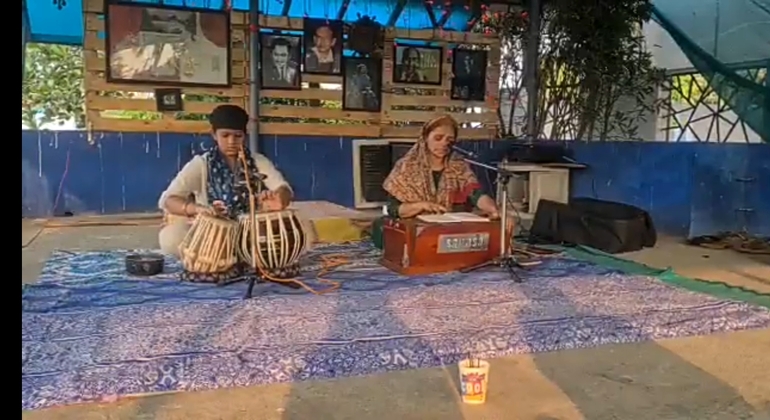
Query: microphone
462	151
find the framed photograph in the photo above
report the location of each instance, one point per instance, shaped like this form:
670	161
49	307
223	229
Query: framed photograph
362	82
469	68
164	45
420	65
281	54
323	46
168	100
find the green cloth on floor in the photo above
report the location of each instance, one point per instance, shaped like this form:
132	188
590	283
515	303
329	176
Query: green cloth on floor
713	288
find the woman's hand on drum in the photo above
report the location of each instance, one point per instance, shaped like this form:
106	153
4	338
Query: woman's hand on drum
218	208
204	210
270	201
428	207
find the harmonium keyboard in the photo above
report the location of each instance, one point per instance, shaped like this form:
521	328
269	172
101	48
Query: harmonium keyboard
424	245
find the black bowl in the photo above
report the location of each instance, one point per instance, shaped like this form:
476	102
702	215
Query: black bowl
144	264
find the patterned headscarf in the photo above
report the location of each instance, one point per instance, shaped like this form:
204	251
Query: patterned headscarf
229	186
411	180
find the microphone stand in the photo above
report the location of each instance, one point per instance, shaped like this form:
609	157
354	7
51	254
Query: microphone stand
505	260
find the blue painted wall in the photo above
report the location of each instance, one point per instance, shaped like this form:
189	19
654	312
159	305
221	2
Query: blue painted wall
688	188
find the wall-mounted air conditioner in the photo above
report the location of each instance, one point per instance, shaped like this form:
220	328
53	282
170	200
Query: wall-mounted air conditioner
372	161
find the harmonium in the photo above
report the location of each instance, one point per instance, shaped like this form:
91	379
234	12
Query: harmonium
419	246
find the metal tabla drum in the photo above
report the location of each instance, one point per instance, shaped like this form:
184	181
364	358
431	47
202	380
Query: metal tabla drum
280	242
209	246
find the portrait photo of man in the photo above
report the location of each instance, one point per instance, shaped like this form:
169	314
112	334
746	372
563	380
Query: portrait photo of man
362	84
323	46
280	58
418	65
470	72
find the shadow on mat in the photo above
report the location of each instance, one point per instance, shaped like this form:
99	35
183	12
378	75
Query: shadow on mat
637	381
632	381
403	394
154	404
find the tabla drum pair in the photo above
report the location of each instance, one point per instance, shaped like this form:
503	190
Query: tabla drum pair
214	245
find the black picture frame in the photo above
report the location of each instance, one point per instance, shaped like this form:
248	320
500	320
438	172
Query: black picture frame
309	61
436	72
114	8
470	80
351	70
169	100
267	43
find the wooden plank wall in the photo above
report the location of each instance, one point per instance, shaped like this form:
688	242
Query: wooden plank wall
310	111
106	103
405	107
319	109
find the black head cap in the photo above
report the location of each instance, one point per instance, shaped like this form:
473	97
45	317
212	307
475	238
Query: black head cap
230	117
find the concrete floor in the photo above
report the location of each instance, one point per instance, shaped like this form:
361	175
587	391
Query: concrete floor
715	377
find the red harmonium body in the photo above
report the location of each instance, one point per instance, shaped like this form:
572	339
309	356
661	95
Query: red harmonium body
413	247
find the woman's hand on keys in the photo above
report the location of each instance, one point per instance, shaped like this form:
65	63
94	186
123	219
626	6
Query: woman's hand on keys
429	207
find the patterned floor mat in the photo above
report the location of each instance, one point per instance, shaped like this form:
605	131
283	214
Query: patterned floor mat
90	332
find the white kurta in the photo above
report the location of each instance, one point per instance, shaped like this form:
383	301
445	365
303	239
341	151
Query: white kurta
193	180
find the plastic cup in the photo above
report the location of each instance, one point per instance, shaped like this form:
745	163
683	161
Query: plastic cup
474	377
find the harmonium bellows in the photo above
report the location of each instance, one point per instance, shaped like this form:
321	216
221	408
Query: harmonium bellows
414	247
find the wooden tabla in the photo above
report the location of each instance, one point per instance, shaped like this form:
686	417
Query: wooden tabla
209	246
280	242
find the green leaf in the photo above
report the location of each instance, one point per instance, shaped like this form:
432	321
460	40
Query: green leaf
52	90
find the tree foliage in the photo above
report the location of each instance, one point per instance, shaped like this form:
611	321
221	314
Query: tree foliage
596	77
691	89
52	91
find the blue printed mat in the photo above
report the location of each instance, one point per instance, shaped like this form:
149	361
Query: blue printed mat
89	332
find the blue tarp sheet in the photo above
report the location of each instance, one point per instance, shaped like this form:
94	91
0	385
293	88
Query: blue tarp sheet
51	24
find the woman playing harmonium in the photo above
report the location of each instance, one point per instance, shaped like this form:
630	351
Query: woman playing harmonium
432	179
207	184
